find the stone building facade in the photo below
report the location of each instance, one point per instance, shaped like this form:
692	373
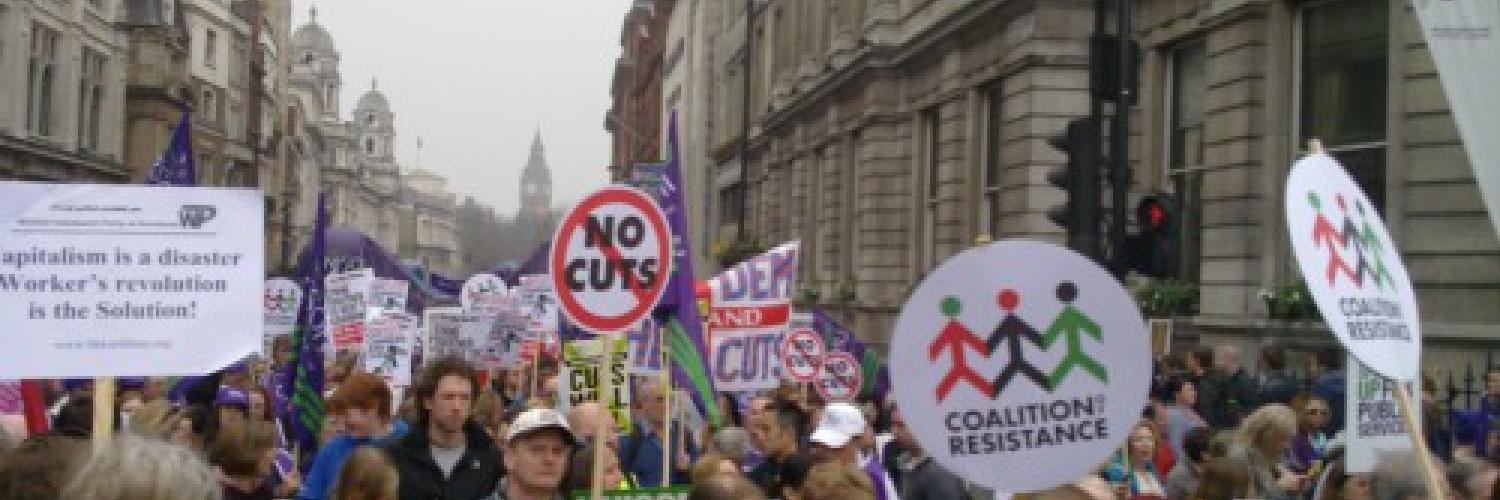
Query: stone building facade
634	119
887	135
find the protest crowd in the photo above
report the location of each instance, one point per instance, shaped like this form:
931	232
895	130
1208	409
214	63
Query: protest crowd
1212	431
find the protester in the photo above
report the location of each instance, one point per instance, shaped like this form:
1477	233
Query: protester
135	468
231	407
489	413
1342	486
159	420
37	468
1328	383
1261	441
733	443
366	475
364	408
260	404
1276	385
1437	427
1178	415
242	453
585	419
154	390
839	436
837	480
1198	363
725	487
1134	470
447	455
580	472
1310	443
511	388
1228	393
641	451
779	430
546	392
536	456
914	474
1187	475
1473	479
1395	478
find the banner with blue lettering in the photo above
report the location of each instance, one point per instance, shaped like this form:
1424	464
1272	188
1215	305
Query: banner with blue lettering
751	306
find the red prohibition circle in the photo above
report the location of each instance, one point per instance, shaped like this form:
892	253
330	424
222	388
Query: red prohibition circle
788	350
574	221
831	358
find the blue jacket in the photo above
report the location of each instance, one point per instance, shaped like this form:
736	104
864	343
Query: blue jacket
641	455
1330	386
331	456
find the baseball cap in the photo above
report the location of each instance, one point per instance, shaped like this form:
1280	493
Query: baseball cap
232	397
840	423
537	419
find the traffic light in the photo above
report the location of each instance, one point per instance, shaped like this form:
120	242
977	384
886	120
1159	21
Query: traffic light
1155	249
1079	179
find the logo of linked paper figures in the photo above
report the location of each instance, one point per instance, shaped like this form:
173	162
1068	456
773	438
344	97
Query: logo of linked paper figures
1340	241
1069	327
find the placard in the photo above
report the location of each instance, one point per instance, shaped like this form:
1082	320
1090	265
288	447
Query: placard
1372	419
610	259
645	348
1353	268
503	346
281	300
748	318
345	302
839	378
1020	365
116	280
802	354
388	295
390	341
581	358
454	332
485	294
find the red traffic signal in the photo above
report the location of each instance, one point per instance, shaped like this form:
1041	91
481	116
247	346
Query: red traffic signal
1155	213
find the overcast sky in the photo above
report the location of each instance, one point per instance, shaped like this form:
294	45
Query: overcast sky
474	78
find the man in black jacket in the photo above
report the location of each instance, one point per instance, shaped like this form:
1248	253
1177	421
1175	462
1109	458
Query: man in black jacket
447	455
916	475
1228	393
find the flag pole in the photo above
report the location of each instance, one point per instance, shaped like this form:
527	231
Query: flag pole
666	443
104	410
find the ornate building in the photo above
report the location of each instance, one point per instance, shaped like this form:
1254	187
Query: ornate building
353	163
534	221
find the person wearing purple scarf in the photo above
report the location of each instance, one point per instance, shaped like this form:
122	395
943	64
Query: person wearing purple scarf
1310	442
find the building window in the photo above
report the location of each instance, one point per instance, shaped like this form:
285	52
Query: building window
210	48
41	73
90	98
851	206
932	135
994	143
1185	151
369	146
208	106
1343	80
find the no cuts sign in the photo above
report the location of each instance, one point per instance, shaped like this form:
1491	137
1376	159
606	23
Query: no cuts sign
840	378
610	259
802	354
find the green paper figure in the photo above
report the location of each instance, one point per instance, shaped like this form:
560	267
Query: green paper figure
1073	324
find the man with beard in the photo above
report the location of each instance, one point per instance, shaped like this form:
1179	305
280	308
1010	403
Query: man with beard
447	455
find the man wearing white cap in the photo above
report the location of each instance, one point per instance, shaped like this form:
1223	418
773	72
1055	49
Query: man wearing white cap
536	456
836	438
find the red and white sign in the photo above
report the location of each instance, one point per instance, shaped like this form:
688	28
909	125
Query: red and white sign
802	355
611	258
840	379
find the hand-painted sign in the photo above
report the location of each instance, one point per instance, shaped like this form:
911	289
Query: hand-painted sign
610	259
581	358
345	301
1020	365
282	296
802	354
1353	268
390	341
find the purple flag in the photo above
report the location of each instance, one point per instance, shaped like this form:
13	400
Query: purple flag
876	376
175	166
303	377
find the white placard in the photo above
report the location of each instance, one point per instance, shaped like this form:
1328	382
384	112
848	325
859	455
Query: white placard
581	357
345	302
485	294
502	347
748	317
839	377
645	348
802	354
390	341
99	281
453	332
1372	420
388	295
281	300
1353	268
539	304
611	258
1020	365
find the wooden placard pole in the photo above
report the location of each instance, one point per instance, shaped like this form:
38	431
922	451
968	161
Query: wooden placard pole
1430	476
1315	146
104	411
666	436
535	384
606	397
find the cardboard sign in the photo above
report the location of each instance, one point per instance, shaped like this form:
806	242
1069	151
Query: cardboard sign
581	358
802	355
281	299
503	345
107	280
668	493
539	304
390	341
645	348
747	321
840	378
1353	268
1372	419
454	332
345	303
485	294
1020	365
611	258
